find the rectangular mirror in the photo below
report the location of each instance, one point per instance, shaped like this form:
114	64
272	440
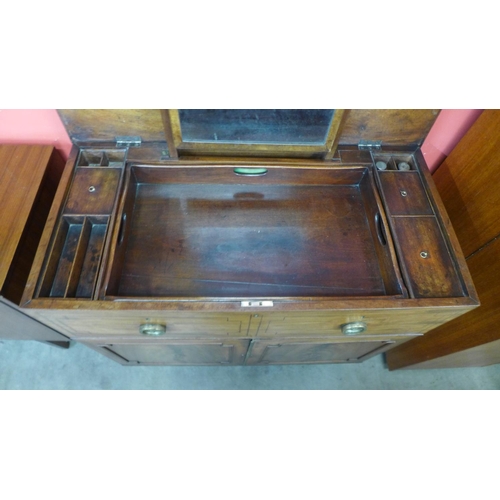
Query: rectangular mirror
256	126
253	132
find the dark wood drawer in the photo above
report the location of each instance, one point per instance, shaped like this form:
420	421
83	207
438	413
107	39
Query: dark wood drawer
93	191
404	193
428	266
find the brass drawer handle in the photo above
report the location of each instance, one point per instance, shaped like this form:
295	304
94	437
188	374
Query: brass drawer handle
152	329
354	328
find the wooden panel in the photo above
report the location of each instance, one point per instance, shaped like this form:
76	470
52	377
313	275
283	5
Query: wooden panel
82	324
178	353
93	191
379	322
430	270
480	326
172	142
309	351
469	180
22	169
482	355
404	193
276	175
51	222
100	125
392	126
15	325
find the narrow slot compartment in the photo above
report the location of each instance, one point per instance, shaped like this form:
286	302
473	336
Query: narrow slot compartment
74	262
93	254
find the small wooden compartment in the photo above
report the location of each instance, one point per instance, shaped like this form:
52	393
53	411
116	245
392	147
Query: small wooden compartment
225	232
404	194
101	158
78	244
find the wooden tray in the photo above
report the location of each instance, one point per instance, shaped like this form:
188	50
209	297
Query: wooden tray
215	232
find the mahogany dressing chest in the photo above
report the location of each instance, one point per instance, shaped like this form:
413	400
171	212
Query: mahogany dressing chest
208	237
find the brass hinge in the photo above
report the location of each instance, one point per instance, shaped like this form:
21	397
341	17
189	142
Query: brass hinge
131	141
367	145
257	303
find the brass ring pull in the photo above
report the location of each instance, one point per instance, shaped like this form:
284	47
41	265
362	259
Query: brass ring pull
152	329
354	328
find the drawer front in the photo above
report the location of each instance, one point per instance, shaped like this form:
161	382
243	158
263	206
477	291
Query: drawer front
114	324
93	191
327	324
430	270
127	324
404	193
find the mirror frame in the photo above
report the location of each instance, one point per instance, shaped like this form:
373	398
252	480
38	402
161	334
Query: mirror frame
178	147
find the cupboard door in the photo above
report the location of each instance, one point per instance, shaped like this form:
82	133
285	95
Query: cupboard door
177	352
264	352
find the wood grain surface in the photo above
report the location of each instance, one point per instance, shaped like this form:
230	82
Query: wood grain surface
22	169
15	325
469	183
473	329
392	127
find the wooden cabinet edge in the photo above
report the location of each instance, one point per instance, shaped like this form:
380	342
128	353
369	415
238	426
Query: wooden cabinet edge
481	355
43	247
15	320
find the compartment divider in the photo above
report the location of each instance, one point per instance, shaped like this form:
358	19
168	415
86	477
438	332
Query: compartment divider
93	255
74	263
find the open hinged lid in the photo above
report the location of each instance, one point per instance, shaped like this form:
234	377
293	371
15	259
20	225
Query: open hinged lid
303	133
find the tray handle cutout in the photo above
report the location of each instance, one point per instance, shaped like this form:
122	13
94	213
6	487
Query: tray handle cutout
121	232
250	171
382	237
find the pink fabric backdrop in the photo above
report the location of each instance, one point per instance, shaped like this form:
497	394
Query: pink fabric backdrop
449	127
34	126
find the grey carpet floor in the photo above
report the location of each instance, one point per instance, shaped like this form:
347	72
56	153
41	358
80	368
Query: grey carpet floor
32	365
